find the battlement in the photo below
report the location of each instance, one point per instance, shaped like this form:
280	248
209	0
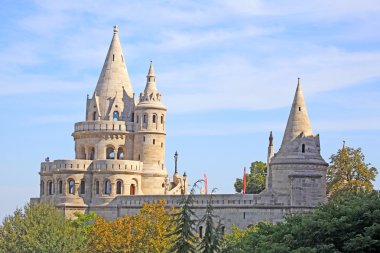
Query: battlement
92	165
103	125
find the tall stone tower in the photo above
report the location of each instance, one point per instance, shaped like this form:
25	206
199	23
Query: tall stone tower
298	168
119	148
150	135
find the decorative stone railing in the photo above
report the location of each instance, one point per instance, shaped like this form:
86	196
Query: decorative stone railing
102	125
92	165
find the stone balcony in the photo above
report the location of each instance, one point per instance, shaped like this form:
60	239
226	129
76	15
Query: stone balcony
103	126
91	165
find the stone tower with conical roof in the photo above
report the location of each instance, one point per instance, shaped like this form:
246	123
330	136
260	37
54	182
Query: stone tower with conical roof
298	168
119	148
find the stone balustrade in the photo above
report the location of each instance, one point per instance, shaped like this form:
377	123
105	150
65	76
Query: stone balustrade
102	125
92	165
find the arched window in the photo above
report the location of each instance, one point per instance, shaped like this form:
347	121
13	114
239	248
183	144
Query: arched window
120	154
162	119
71	186
82	187
154	118
107	187
119	186
94	116
132	189
110	153
60	186
303	148
42	188
145	119
92	153
115	115
50	188
200	232
96	187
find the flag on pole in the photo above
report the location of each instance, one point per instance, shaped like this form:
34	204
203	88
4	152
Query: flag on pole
206	186
244	182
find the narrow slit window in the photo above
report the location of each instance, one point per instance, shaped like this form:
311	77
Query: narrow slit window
113	57
303	148
299	108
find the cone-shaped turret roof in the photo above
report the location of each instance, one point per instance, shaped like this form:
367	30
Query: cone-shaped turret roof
114	79
298	121
151	94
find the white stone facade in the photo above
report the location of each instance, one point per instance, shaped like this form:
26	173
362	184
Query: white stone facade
120	152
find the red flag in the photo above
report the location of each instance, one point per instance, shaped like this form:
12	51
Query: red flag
205	179
244	181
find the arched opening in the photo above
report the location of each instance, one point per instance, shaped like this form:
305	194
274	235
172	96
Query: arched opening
92	153
81	152
145	119
132	189
120	153
154	118
96	187
107	187
50	188
200	232
162	119
303	148
119	187
110	153
94	116
60	187
71	183
115	115
42	188
82	187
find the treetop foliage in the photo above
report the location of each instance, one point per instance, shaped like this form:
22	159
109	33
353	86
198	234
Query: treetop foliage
255	178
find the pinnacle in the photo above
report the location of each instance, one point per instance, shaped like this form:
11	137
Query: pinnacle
151	70
298	121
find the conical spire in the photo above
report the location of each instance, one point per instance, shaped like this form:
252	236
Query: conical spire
114	79
151	93
298	121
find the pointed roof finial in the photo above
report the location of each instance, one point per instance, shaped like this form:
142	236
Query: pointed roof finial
344	144
298	81
270	139
176	160
115	29
151	70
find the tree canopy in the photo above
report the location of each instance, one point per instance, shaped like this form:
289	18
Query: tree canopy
255	178
349	171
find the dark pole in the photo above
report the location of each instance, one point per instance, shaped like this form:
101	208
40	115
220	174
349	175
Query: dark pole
176	160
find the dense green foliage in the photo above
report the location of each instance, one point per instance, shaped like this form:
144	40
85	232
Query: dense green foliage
255	178
347	223
39	228
184	235
349	172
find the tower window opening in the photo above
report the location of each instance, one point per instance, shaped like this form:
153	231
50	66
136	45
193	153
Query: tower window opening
60	187
50	188
162	119
92	153
71	186
154	119
132	189
82	187
120	153
94	116
115	115
145	119
303	148
154	141
299	108
200	232
118	187
133	117
110	153
107	187
144	138
97	187
113	57
139	157
162	144
42	187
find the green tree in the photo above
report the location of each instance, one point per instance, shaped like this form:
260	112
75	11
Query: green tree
348	223
184	235
255	179
39	228
348	171
211	241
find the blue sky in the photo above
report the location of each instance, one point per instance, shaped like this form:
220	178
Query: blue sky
227	71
